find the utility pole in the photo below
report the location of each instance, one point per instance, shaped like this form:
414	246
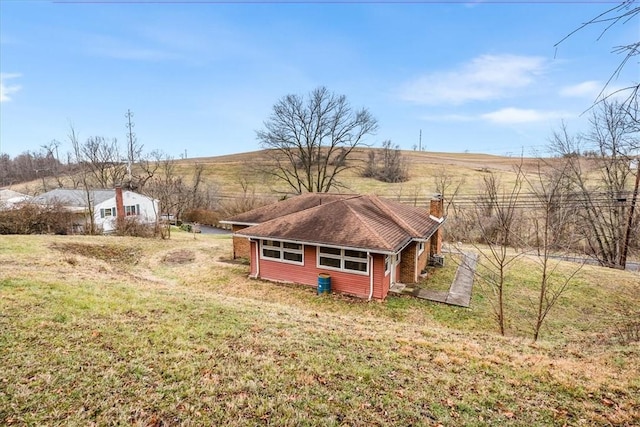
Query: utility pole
634	198
131	138
420	141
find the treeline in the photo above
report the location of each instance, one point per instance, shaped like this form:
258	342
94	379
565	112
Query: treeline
182	188
29	166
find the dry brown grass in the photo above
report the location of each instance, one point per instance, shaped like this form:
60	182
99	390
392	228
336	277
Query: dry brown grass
226	173
99	341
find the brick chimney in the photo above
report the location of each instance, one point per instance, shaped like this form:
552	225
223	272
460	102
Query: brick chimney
119	203
436	210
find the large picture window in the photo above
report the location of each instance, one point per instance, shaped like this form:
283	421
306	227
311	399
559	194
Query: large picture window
282	251
343	259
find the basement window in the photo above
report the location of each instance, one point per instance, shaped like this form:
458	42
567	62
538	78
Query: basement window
343	259
282	251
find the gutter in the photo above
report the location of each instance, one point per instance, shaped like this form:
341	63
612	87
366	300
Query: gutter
249	224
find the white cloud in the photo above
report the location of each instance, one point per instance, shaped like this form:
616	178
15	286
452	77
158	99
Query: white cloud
448	118
6	89
483	78
519	115
589	89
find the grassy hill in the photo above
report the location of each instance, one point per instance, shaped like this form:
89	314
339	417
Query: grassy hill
227	172
110	330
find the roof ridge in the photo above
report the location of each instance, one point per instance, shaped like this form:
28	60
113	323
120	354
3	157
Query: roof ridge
365	224
380	204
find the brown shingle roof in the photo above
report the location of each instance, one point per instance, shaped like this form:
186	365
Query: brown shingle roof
364	222
285	207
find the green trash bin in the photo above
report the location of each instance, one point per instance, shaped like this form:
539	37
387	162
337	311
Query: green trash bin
324	283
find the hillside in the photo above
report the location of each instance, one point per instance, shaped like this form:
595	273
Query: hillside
109	330
225	173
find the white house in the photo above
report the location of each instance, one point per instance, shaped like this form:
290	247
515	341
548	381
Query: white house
107	205
9	198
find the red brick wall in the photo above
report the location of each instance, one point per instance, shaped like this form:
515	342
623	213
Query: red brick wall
408	264
241	245
307	274
423	258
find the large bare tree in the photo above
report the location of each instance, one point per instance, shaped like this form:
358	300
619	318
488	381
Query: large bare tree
309	139
597	166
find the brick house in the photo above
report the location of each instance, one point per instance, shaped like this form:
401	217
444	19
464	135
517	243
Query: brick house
364	242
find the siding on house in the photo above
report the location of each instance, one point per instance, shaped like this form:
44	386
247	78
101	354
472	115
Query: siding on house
381	282
307	274
146	210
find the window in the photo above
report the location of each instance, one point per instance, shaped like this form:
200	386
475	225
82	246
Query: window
343	259
132	210
282	251
104	213
420	248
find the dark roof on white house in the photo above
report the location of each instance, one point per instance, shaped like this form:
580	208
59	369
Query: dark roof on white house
358	221
74	197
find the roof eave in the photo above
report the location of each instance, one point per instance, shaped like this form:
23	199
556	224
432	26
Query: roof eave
230	222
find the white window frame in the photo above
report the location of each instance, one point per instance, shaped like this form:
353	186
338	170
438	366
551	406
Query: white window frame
343	259
131	210
280	248
387	264
390	262
421	246
111	211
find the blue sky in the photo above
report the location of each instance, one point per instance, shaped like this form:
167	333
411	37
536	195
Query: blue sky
202	77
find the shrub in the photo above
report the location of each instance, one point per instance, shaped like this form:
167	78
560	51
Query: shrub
30	218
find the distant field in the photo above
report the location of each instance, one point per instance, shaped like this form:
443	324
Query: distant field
228	170
110	331
225	173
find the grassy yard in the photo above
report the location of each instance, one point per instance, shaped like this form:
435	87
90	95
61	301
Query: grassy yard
124	331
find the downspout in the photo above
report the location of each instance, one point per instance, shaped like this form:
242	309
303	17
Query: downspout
392	279
415	264
370	260
257	259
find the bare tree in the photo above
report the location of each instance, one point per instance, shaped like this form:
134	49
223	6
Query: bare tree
309	140
495	216
386	165
448	186
554	214
101	158
623	13
601	179
176	194
81	176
